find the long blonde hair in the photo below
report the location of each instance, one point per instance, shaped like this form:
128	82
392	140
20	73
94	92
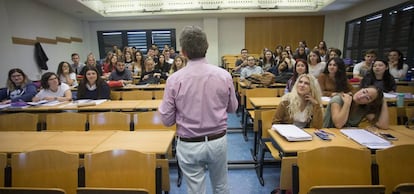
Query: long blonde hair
295	100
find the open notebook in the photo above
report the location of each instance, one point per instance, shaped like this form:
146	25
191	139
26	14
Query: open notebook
366	138
291	132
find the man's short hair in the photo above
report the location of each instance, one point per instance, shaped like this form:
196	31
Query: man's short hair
371	51
194	42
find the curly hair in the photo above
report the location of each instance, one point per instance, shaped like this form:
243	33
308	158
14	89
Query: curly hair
341	80
295	100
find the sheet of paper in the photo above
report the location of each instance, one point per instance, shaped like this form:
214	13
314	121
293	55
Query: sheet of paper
291	132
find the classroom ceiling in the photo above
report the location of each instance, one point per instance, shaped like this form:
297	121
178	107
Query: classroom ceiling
95	10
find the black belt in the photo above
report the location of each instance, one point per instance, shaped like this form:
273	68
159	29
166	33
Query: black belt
203	138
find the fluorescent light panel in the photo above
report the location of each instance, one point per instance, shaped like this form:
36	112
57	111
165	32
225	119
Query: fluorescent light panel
131	7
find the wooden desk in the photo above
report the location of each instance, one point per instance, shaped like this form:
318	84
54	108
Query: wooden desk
148	104
143	87
290	149
144	141
265	102
20	141
402	129
73	141
107	105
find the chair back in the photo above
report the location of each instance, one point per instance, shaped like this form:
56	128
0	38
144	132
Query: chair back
121	169
348	189
395	166
137	95
158	94
409	112
266	118
116	95
91	190
110	121
45	168
66	121
333	166
259	92
149	120
3	164
405	188
30	190
393	115
19	122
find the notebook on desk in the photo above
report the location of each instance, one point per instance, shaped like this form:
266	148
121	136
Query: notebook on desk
291	132
366	138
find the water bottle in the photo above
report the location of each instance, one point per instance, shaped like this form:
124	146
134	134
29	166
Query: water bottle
400	99
409	76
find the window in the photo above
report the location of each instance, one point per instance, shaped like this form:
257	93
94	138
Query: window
382	31
140	39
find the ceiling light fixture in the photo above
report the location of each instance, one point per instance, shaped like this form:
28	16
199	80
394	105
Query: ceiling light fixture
110	8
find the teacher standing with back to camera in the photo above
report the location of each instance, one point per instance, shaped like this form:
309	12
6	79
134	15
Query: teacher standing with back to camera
197	99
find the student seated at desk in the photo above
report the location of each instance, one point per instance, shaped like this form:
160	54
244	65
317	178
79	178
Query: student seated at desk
301	67
19	88
53	89
379	75
282	72
121	74
346	110
178	63
151	75
66	74
251	68
93	86
302	106
333	80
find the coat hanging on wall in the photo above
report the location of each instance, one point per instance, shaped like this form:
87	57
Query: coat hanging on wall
40	56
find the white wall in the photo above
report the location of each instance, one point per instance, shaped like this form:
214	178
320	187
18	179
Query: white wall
27	19
334	32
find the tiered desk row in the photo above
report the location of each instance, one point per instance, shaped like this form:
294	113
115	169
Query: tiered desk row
261	109
91	128
156	142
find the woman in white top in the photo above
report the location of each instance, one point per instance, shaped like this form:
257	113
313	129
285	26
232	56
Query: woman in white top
66	74
398	68
316	66
53	89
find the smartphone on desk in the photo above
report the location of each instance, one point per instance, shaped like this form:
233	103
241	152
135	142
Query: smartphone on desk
388	136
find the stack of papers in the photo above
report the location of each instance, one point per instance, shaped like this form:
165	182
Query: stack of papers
4	106
45	103
366	138
291	132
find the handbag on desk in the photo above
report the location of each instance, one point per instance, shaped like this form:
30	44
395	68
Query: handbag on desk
115	84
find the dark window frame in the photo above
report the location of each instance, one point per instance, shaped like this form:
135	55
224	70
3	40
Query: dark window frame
124	39
356	51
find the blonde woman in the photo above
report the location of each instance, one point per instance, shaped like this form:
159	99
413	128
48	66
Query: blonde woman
303	106
179	62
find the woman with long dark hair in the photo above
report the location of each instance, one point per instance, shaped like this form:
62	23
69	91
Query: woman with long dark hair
346	110
333	80
93	86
